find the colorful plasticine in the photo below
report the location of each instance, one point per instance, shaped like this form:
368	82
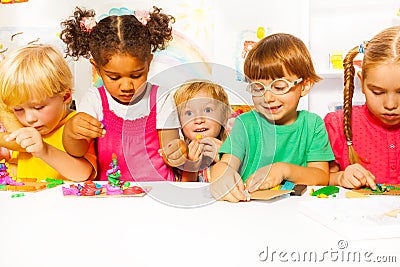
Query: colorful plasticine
326	191
24	184
381	189
114	187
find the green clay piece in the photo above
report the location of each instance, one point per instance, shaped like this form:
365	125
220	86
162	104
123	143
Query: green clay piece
17	195
51	185
54	181
327	191
2	186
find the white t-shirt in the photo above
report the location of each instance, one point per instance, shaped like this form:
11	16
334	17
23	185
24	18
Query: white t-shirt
167	116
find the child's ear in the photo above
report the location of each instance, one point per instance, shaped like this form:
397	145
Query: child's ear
359	75
68	96
306	86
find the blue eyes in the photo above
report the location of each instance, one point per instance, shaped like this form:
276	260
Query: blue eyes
206	110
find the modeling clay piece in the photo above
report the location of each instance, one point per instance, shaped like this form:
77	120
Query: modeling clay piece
22	185
5	178
299	190
17	195
381	189
326	191
287	185
198	136
114	187
114	173
91	189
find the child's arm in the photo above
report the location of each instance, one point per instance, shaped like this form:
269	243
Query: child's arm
78	133
226	183
315	173
75	169
354	176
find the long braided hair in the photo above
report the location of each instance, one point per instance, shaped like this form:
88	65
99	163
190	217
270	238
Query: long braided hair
382	48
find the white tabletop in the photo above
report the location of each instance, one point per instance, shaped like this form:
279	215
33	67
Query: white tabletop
48	229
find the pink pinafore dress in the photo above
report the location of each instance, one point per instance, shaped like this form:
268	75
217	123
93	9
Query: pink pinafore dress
136	144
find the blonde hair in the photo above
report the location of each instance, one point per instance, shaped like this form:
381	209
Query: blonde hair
33	72
192	87
382	49
276	54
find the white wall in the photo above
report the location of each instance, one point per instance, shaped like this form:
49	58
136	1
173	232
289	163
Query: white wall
323	25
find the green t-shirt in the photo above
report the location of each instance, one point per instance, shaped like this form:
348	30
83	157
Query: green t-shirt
258	143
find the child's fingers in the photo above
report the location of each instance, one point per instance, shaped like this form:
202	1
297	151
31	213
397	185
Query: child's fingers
371	181
235	196
89	131
84	125
254	182
12	136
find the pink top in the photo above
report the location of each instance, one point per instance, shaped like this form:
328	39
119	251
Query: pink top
377	143
135	143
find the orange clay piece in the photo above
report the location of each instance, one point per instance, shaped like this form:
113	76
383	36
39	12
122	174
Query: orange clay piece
28	187
21	188
25	180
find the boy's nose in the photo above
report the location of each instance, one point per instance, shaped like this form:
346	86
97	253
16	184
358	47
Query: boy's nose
269	96
30	117
199	120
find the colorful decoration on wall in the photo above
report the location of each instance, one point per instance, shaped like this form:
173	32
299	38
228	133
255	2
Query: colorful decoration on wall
13	37
12	1
247	40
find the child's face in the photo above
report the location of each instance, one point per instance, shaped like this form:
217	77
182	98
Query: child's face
202	116
125	77
281	109
381	88
42	115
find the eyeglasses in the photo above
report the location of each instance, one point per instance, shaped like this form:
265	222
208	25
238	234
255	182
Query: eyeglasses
278	87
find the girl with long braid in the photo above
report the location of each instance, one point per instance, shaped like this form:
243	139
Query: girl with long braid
366	139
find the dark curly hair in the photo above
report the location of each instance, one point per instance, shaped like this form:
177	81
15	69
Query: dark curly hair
115	35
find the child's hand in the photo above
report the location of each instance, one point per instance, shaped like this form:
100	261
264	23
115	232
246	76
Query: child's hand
195	150
228	186
84	126
29	139
266	177
175	153
356	176
211	147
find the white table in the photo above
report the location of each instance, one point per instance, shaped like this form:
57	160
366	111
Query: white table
47	229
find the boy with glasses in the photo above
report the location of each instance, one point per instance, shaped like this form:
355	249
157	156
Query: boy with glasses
274	142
